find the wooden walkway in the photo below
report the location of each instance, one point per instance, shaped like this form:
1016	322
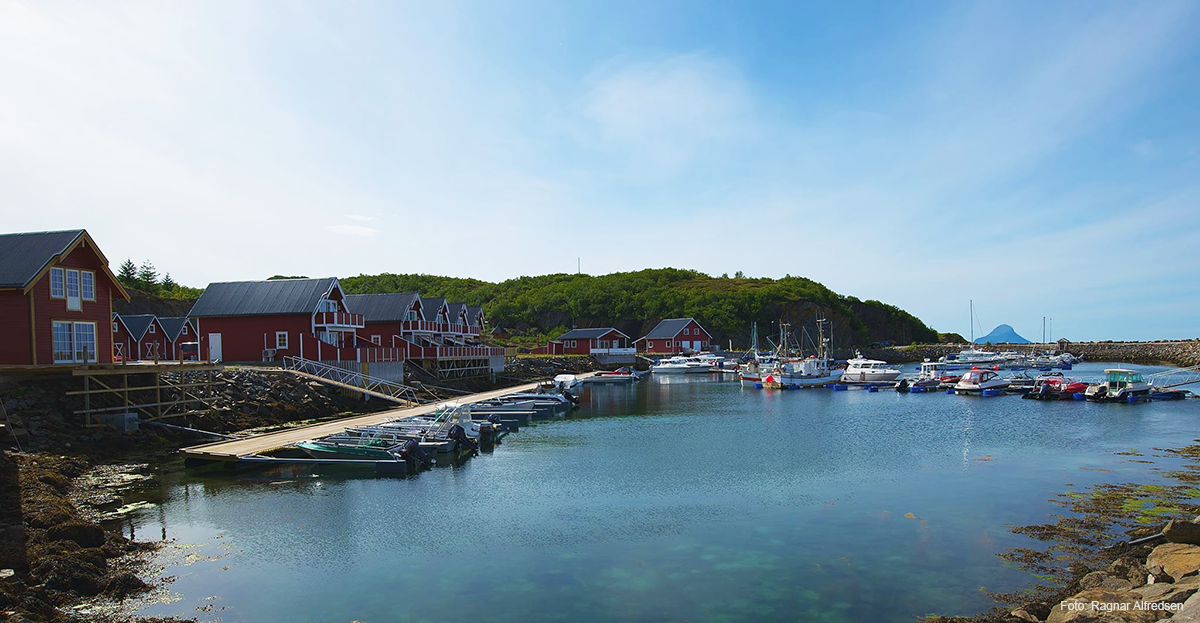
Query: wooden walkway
232	450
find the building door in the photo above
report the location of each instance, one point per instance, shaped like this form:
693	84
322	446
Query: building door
74	301
214	346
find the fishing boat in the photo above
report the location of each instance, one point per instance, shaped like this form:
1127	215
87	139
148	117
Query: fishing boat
862	370
347	448
1119	385
1055	386
978	380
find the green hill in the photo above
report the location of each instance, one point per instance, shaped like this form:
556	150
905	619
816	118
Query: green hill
537	307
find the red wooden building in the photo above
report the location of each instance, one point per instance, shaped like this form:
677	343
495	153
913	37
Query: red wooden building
268	320
387	317
139	337
583	341
179	330
56	294
674	336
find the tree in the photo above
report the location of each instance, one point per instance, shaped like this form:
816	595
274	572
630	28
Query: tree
147	276
127	274
168	283
739	275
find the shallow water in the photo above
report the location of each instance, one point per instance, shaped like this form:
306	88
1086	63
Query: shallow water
675	499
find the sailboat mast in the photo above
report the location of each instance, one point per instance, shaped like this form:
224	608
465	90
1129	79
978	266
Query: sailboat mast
972	321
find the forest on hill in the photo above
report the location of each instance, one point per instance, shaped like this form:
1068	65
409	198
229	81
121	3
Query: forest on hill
535	308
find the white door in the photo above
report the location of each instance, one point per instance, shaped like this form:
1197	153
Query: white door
214	346
74	301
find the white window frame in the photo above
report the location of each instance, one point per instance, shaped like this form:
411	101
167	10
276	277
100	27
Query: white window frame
115	329
687	331
152	329
62	283
93	354
669	344
74	301
377	340
91	279
649	344
184	330
281	344
573	344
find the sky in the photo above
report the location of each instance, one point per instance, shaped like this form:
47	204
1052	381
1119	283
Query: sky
1039	159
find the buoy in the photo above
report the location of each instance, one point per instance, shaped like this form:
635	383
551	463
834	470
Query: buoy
793	386
1131	399
916	390
840	388
1079	396
991	392
950	392
758	386
872	388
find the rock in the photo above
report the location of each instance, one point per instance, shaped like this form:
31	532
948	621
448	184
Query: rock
1129	568
7	573
13	534
124	584
1176	559
1163	592
1190	612
1022	614
1182	532
1157	574
85	534
1100	579
1078	608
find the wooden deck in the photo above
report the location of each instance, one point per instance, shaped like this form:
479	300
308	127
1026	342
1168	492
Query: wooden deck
232	450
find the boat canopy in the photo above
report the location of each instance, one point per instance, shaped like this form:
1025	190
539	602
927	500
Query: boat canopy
1119	375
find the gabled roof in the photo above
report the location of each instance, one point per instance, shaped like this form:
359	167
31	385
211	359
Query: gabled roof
587	334
474	313
668	329
174	326
457	310
24	257
497	330
389	307
430	307
136	324
262	298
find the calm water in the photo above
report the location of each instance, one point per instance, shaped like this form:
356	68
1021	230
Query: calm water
675	499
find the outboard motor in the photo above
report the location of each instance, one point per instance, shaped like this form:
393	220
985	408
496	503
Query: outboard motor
459	435
570	397
902	386
411	451
494	418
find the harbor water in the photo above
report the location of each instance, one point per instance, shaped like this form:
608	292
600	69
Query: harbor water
675	499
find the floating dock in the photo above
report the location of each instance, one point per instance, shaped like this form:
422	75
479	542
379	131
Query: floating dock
236	450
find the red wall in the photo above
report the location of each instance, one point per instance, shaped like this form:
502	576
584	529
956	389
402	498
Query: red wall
660	345
48	309
242	336
385	331
14	327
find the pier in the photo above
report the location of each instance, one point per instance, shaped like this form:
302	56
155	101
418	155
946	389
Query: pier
236	450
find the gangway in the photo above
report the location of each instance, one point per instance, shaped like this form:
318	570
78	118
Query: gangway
1175	377
351	380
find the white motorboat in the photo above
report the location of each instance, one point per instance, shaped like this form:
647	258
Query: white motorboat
862	370
1119	384
811	372
680	365
976	380
567	382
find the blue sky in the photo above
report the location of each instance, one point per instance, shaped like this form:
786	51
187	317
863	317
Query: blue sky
1042	159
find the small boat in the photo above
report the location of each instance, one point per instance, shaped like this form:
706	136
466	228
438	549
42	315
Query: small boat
1055	386
618	376
680	365
862	370
811	372
931	375
567	382
976	380
363	450
1119	385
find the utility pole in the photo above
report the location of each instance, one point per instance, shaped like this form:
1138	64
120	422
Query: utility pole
579	266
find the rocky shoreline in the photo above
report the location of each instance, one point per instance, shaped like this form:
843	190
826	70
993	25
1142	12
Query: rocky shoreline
1182	353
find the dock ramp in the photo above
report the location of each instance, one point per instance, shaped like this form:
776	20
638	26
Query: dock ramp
351	380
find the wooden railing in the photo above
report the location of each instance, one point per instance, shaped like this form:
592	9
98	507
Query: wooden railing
338	319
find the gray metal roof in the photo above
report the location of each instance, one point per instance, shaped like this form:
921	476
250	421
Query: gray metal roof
173	326
456	310
136	324
473	314
430	307
587	334
667	329
389	307
23	256
262	298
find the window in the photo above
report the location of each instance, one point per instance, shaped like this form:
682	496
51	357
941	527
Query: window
73	300
328	305
184	331
73	342
649	344
114	326
281	340
668	343
87	279
151	329
687	331
64	342
377	340
56	284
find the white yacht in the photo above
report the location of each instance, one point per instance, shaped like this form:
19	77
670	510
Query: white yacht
811	372
680	365
568	382
861	370
1118	384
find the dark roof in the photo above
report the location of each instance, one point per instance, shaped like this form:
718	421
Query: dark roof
456	310
587	334
23	256
174	326
136	324
262	298
498	330
668	329
473	312
430	307
389	307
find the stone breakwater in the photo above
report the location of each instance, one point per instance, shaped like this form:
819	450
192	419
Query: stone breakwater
1183	353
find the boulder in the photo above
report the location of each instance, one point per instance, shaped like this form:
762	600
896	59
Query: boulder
1190	612
124	584
1100	579
1176	559
1129	568
1182	532
1163	592
85	534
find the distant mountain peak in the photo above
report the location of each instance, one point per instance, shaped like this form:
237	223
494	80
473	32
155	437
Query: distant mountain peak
1002	334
